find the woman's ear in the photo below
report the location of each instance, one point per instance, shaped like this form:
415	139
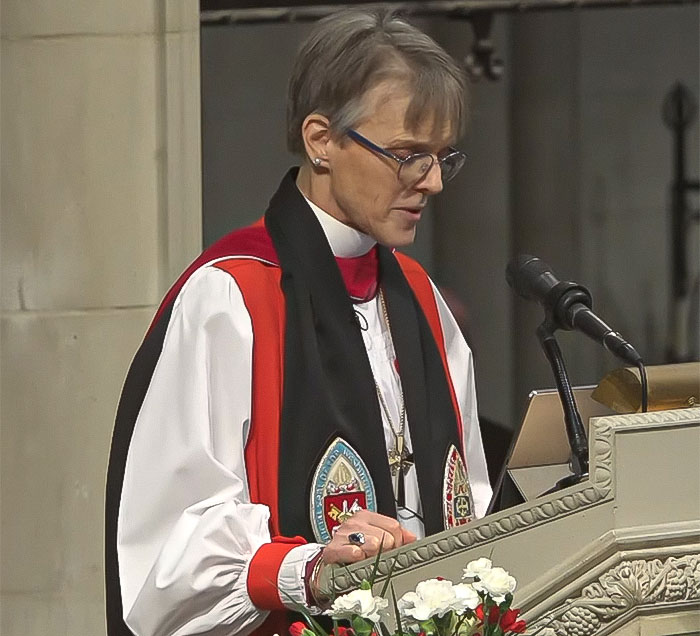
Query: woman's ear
316	133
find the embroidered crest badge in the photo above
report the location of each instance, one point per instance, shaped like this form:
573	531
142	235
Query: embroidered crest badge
341	486
458	504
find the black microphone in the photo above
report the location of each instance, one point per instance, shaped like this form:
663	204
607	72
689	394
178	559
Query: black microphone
566	303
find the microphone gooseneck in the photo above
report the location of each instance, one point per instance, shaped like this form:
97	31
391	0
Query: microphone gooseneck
567	306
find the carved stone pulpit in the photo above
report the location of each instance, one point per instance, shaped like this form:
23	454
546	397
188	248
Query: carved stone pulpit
618	553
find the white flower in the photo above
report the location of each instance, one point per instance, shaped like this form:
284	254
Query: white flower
434	597
358	603
467	597
476	568
496	582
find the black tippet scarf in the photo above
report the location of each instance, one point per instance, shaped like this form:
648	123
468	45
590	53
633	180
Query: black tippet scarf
329	389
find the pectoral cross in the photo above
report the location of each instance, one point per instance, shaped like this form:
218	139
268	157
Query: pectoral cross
400	460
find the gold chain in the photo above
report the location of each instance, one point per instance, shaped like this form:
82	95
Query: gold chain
402	421
398	456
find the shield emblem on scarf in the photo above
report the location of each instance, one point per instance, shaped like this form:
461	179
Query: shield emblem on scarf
458	504
341	486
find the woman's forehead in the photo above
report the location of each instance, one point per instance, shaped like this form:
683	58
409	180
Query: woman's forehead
386	107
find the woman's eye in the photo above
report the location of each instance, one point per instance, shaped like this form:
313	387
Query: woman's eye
403	153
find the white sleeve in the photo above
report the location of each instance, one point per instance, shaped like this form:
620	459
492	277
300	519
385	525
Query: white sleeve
186	529
461	365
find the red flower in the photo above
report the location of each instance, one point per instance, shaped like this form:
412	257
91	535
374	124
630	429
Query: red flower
297	629
510	623
344	631
494	614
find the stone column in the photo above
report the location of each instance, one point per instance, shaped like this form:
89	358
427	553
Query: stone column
100	210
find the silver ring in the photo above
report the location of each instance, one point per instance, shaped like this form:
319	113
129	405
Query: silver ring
356	538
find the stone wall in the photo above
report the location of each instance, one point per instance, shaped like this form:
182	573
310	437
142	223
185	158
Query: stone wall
100	210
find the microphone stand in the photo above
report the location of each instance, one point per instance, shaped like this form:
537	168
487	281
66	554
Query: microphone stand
574	427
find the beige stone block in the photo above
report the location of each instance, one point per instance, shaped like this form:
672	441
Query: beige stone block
61	376
183	165
39	615
181	16
81	172
46	18
27	18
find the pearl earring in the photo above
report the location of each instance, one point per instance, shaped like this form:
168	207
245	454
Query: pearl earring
317	161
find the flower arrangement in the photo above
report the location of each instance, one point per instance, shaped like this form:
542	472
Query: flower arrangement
479	605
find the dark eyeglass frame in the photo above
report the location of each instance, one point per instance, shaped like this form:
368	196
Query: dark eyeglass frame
370	145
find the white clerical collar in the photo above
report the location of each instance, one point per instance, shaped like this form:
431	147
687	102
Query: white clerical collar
345	242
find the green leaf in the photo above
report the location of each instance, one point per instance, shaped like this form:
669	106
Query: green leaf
388	577
375	566
494	630
397	614
365	585
443	624
463	619
362	626
427	625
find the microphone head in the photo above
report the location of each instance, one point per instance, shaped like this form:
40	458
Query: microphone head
530	277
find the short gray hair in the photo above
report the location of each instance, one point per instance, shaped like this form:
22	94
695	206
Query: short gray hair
350	52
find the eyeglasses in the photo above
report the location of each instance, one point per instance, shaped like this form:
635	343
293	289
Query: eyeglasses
414	167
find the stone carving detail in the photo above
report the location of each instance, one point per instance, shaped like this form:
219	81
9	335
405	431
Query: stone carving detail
621	589
598	489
